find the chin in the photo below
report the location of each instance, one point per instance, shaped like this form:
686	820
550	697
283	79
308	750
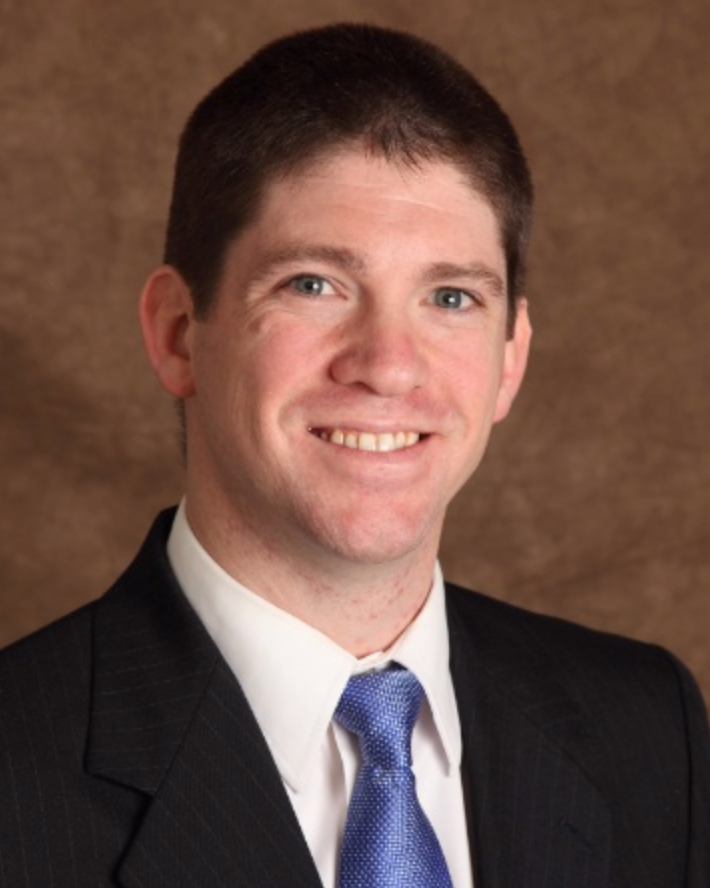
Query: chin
380	542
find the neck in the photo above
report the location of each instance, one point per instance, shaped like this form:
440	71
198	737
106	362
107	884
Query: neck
362	606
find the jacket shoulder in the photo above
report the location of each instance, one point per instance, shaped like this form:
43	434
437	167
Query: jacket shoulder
634	693
627	711
566	648
47	672
59	823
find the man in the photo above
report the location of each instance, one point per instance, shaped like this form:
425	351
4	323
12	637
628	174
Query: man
341	316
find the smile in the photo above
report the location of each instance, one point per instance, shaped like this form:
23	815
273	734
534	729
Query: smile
374	442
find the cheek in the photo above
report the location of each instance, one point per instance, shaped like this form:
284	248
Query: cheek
267	372
473	376
282	348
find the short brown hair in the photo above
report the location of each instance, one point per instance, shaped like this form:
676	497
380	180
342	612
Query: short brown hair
317	91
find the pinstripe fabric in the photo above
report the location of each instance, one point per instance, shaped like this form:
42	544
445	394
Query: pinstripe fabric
589	755
129	756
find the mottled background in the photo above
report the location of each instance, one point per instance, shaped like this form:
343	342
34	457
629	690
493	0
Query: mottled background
592	503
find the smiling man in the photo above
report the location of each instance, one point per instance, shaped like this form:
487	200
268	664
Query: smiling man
281	690
342	387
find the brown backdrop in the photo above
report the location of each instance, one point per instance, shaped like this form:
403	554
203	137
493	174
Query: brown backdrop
592	502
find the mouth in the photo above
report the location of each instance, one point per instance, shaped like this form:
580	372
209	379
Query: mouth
371	442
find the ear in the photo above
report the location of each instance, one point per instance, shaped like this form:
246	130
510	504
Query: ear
515	361
167	320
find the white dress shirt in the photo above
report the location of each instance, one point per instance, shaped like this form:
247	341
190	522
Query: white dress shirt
293	677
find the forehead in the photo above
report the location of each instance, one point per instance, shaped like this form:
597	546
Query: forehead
354	164
350	191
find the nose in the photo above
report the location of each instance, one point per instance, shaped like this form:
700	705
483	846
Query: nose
382	352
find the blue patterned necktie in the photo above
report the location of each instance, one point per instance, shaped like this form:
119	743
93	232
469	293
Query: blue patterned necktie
388	840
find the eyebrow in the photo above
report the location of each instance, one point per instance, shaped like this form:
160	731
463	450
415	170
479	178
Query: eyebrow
340	256
477	272
438	272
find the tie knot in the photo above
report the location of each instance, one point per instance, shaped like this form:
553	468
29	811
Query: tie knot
381	708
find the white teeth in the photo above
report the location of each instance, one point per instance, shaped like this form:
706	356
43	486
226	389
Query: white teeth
370	441
366	441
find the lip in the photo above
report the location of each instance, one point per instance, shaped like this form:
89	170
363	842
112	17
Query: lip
376	428
356	439
372	443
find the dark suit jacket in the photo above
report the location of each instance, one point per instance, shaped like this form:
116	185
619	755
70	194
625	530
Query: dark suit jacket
129	755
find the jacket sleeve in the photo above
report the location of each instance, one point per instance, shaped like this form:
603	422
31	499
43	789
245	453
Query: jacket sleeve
698	850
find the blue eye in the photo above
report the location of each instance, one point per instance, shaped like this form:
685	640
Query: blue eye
309	284
452	298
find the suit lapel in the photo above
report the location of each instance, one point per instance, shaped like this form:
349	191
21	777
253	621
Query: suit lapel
169	719
538	819
221	817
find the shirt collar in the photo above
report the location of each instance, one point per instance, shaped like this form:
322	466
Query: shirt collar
292	674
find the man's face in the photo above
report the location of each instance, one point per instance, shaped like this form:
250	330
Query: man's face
348	375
